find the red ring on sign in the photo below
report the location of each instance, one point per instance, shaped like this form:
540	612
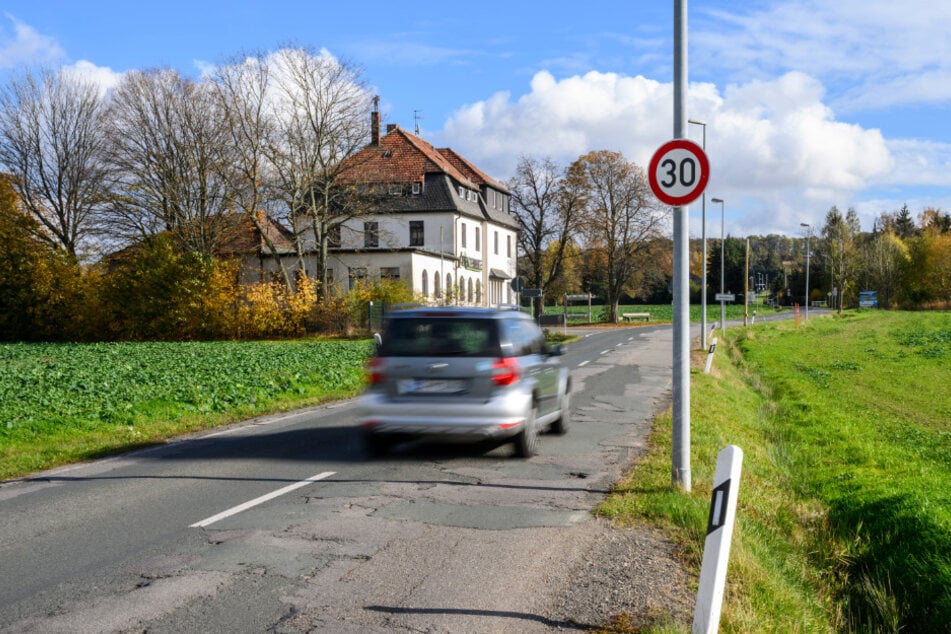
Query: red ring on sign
692	195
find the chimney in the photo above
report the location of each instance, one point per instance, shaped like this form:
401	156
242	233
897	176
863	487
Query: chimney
391	126
375	122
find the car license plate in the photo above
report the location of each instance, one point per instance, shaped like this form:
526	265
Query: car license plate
432	386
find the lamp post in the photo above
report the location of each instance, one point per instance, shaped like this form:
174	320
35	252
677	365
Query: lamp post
808	235
722	264
703	239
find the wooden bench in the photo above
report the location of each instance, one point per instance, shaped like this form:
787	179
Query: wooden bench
632	316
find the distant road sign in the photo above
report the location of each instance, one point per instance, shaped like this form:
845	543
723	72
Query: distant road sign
518	284
725	297
531	292
678	172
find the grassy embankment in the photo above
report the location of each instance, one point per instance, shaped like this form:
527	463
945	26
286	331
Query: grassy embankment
62	403
844	517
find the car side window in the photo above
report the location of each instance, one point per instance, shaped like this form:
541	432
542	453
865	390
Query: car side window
523	336
536	336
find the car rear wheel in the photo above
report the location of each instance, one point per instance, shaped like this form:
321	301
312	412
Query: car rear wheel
526	442
560	426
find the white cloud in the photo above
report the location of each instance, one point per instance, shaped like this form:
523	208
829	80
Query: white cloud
564	118
25	46
102	76
871	53
775	147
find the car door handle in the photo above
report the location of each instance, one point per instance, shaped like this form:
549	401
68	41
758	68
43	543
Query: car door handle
438	366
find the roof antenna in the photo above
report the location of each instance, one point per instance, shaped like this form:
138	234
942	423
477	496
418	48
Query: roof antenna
416	119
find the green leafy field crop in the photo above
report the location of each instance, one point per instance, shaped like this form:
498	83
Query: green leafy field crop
62	402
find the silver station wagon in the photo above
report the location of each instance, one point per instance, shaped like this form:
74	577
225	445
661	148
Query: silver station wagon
464	374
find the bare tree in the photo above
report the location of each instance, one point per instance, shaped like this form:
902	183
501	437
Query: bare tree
547	206
619	216
322	118
51	141
243	86
170	145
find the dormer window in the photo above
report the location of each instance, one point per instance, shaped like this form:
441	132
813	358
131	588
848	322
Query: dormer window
395	189
417	189
462	192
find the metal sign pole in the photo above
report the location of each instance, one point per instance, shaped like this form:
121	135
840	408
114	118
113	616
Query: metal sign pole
680	470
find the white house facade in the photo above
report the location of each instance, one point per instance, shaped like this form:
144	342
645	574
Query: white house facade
443	228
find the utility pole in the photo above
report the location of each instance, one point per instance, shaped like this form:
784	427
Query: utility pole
808	235
746	286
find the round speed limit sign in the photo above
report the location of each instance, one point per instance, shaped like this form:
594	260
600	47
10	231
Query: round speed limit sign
678	172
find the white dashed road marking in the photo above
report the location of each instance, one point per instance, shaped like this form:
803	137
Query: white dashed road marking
264	498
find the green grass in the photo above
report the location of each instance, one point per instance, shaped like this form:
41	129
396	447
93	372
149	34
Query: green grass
844	518
60	403
659	312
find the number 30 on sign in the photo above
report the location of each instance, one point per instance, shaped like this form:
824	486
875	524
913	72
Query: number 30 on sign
678	172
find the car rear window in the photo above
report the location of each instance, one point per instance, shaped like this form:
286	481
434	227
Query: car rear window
440	337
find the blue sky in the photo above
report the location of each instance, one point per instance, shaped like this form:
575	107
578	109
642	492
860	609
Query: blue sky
808	103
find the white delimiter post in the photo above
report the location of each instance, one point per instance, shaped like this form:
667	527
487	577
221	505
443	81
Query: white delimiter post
680	471
709	363
716	548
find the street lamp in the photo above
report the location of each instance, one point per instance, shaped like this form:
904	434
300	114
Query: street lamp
722	265
703	239
808	234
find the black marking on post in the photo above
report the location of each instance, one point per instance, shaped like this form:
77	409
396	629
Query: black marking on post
718	504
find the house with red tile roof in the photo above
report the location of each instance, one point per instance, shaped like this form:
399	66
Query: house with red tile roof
442	226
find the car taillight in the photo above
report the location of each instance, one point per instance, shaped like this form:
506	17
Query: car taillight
505	371
375	371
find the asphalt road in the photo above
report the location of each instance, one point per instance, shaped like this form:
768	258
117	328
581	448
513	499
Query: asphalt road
285	523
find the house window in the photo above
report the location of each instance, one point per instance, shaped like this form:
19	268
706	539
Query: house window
462	235
395	189
329	276
358	275
496	241
371	234
425	284
437	292
417	189
462	192
333	236
478	246
508	246
389	272
416	237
